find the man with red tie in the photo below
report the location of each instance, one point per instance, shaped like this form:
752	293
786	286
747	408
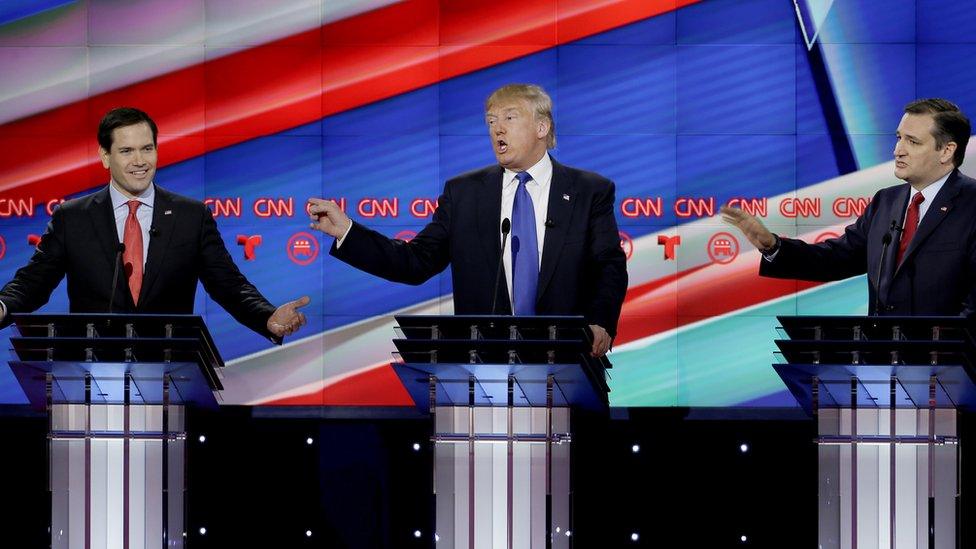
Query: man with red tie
165	243
916	241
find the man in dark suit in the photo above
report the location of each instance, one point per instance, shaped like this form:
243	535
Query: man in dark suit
916	241
165	243
563	256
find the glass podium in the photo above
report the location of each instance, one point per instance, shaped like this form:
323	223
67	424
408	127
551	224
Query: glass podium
499	390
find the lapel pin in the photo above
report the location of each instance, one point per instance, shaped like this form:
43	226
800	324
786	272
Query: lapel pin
168	212
945	208
566	197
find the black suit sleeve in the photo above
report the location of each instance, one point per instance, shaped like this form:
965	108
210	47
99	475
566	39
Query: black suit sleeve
33	283
411	262
832	259
607	264
225	283
969	301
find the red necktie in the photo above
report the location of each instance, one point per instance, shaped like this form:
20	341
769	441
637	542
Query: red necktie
132	257
911	223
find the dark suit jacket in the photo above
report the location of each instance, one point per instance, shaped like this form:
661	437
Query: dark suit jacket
82	242
938	273
583	268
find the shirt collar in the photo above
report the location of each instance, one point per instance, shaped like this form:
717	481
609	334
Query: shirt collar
932	190
148	197
541	172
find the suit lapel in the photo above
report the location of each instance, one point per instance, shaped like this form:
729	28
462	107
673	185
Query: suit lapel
103	223
164	218
938	210
560	213
489	212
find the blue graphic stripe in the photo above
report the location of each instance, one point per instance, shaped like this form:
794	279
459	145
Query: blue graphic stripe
13	10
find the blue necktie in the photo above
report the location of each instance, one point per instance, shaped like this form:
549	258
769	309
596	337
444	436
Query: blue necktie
525	249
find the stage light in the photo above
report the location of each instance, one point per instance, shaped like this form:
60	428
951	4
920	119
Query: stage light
743	539
203	531
635	448
416	533
309	441
416	446
308	533
743	447
202	438
634	536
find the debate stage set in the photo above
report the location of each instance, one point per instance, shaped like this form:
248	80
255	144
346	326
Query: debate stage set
732	411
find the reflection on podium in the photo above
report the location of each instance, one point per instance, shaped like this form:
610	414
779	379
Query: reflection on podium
499	390
885	392
115	388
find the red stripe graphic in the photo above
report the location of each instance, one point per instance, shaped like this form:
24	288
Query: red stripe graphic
300	79
700	292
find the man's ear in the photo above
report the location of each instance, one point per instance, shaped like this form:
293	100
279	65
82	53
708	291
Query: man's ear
543	128
948	152
103	154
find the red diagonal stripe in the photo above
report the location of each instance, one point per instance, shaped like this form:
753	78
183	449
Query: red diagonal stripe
300	79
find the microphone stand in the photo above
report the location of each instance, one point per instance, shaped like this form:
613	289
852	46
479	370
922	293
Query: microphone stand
506	228
885	242
115	277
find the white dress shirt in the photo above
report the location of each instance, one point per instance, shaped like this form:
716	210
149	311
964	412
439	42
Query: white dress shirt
538	189
144	214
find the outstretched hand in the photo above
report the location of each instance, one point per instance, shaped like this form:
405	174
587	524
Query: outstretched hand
751	227
287	319
328	217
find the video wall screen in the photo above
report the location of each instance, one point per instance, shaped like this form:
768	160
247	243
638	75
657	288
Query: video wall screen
787	109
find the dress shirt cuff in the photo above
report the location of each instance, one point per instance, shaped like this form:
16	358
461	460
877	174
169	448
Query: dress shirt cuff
770	255
342	238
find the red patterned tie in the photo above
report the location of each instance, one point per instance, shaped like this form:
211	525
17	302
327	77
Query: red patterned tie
911	223
132	257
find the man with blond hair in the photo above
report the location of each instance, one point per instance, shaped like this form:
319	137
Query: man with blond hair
563	255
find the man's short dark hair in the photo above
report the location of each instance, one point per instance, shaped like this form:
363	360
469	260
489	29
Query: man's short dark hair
120	118
950	124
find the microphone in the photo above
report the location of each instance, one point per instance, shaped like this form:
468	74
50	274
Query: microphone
506	228
115	275
550	223
885	242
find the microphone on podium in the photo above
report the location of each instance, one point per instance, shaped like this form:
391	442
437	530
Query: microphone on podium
506	228
115	275
885	242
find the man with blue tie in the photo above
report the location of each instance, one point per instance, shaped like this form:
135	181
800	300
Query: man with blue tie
563	256
916	241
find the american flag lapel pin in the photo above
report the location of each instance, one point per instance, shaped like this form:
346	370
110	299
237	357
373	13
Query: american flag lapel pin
945	208
566	197
168	212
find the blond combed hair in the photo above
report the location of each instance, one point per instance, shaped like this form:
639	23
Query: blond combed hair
537	98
